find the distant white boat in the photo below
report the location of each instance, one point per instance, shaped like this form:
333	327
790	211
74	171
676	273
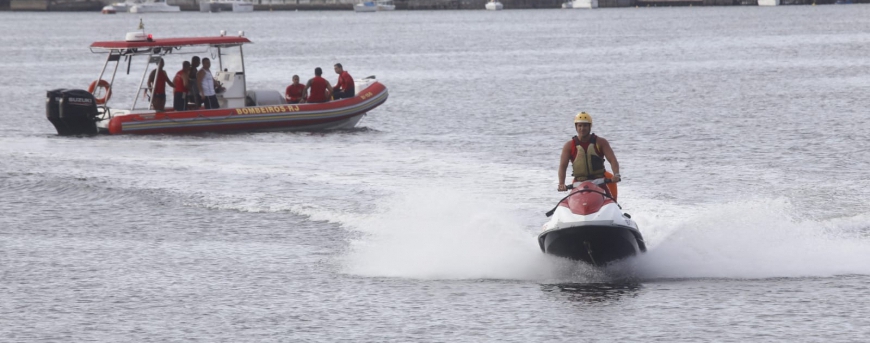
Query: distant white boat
580	4
494	5
226	6
153	6
365	6
385	5
768	2
124	6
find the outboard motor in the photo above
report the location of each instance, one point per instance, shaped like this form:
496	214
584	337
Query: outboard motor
72	111
52	110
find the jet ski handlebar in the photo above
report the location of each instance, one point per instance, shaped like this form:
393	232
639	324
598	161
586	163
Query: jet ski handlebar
599	182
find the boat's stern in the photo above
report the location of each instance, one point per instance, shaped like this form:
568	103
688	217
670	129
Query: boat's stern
72	111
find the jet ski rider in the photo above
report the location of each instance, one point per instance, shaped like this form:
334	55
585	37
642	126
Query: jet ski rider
587	153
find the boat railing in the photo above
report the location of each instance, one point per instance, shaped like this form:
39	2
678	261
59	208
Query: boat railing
154	54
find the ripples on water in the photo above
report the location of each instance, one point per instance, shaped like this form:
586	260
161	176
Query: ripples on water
740	130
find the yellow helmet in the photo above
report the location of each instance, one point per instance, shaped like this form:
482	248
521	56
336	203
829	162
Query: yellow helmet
583	117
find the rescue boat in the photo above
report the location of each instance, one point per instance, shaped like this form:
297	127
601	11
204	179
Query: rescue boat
85	112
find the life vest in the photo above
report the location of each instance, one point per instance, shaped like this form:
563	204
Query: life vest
587	163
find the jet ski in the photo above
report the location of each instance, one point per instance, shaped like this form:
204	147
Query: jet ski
588	225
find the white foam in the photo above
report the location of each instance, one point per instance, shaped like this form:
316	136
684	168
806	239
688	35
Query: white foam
441	233
467	223
757	239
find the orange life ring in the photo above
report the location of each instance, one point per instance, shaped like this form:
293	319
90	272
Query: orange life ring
101	84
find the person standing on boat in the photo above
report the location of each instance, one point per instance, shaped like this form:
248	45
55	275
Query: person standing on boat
157	82
193	86
207	85
320	90
295	92
181	85
345	87
587	153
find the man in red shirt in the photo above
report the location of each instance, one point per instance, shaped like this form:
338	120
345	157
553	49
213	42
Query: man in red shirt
181	86
344	88
321	91
157	82
295	93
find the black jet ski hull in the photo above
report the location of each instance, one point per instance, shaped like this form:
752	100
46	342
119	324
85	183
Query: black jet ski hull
597	245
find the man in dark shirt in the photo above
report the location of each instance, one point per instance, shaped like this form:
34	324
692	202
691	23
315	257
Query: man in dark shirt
193	97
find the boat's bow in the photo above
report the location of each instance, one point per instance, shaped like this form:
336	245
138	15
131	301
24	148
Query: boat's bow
588	225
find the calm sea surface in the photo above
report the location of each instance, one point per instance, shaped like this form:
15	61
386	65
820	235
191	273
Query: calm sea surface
742	133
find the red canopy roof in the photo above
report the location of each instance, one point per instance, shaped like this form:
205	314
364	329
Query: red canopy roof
171	42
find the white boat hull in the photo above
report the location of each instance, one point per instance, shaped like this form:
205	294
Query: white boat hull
154	8
226	6
768	2
386	7
121	7
581	4
364	8
494	6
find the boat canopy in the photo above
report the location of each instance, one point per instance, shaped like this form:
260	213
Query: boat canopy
229	60
170	43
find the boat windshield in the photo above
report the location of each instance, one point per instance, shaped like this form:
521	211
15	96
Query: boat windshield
229	58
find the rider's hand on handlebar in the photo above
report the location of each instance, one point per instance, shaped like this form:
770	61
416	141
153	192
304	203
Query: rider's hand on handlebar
562	187
615	178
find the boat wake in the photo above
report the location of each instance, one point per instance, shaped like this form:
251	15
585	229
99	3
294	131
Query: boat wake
439	233
756	239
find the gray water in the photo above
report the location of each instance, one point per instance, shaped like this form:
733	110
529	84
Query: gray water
741	134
